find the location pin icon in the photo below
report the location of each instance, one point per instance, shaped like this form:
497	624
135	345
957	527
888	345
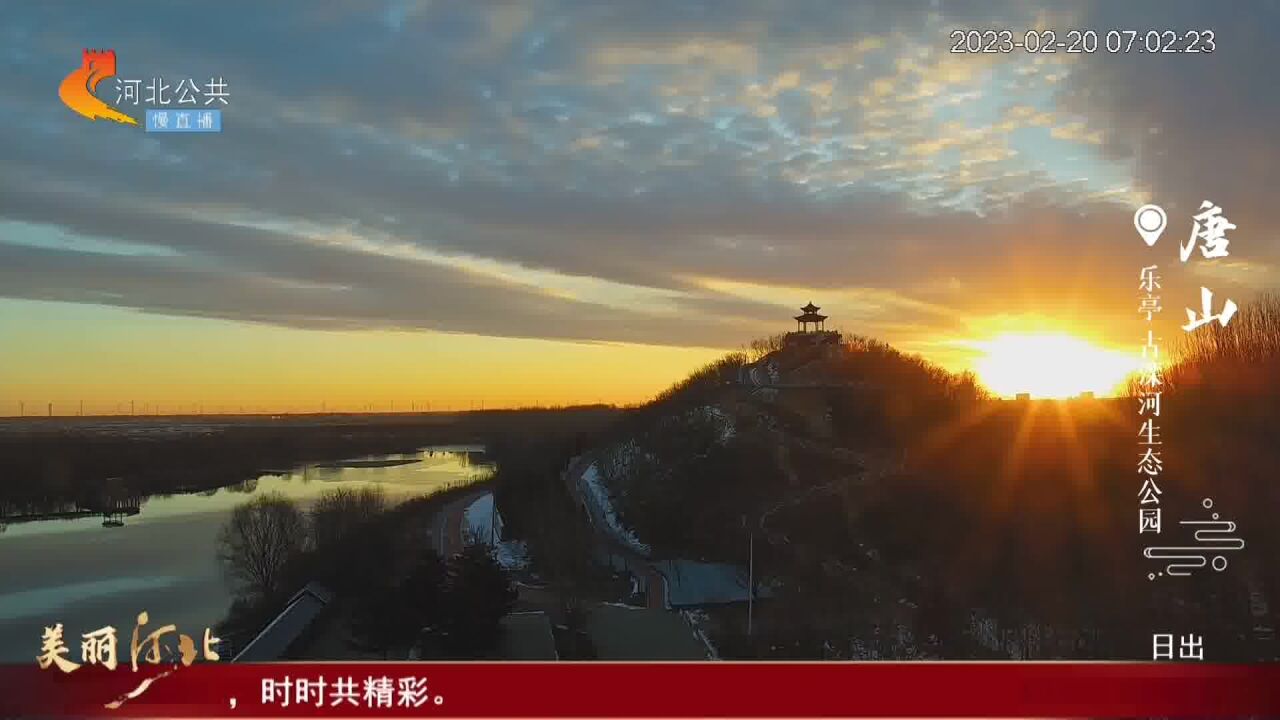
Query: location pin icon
1150	221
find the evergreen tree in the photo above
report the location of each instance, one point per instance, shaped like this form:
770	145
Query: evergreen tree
478	594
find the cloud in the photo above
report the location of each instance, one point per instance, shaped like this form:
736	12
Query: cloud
1077	131
1195	126
594	171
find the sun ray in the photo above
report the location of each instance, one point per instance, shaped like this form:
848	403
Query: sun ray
1013	461
941	438
1083	483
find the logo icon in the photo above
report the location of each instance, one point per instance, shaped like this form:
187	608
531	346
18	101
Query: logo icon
77	90
1150	221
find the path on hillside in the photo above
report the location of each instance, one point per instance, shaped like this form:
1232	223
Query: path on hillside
635	563
447	524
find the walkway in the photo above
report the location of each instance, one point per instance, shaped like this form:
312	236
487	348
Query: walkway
447	525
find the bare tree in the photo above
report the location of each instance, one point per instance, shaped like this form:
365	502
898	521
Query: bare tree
259	540
760	347
341	511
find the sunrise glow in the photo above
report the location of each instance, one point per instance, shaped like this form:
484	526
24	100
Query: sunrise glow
1051	365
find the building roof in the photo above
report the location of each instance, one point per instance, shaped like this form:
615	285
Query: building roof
527	636
811	317
279	634
810	308
621	632
698	584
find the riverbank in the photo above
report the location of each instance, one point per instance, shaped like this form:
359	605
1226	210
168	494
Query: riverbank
407	531
61	465
365	464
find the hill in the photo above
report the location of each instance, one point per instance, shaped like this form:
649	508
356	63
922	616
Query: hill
900	511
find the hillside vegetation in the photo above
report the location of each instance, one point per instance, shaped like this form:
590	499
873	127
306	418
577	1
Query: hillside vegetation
900	511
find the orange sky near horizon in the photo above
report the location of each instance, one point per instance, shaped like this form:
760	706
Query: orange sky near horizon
108	358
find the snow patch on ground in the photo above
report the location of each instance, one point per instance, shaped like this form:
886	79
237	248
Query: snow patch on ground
513	555
481	525
722	421
479	520
698	621
597	494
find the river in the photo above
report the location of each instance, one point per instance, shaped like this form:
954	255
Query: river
163	560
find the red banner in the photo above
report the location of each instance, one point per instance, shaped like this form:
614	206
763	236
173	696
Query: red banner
727	689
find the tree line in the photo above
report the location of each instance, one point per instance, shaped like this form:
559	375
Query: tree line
392	592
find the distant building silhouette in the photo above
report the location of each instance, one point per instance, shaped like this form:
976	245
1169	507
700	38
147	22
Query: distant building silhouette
810	316
811	328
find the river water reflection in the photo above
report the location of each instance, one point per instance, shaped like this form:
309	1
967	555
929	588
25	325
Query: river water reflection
162	560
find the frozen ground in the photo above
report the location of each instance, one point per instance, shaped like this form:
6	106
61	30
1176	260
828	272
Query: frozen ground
598	495
483	526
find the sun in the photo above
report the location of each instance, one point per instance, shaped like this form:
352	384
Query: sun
1050	365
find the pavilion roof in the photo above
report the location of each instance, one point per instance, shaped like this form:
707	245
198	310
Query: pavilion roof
810	308
811	317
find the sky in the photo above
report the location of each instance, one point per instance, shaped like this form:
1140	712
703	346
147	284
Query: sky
569	201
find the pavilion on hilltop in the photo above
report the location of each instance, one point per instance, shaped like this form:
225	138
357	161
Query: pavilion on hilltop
811	329
809	317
